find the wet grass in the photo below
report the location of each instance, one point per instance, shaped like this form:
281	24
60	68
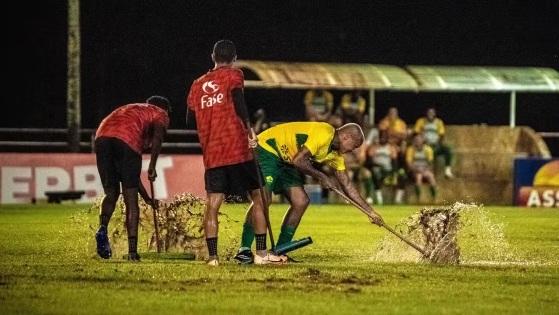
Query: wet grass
48	266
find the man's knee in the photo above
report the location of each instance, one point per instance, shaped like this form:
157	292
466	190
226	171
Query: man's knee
111	195
301	202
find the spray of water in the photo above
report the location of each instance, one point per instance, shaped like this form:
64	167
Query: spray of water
180	223
460	233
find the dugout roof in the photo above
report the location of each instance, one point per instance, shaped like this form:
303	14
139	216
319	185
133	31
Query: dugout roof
302	75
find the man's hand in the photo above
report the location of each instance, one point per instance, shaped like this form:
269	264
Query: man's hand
375	218
252	139
152	174
156	203
327	182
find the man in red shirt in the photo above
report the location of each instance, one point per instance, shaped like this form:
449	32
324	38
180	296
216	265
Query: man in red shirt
222	120
119	143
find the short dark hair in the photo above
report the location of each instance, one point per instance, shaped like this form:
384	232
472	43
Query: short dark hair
224	51
159	101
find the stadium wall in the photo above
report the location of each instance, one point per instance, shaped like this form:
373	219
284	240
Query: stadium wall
25	177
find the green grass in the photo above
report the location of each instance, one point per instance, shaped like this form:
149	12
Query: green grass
48	266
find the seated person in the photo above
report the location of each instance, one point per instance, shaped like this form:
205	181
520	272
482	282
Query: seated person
396	128
433	131
352	108
319	105
382	169
419	161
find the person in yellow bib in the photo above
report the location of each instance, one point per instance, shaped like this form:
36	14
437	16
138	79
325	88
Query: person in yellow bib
419	161
433	131
286	153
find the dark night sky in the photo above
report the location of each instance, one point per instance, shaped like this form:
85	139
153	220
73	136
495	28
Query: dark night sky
133	49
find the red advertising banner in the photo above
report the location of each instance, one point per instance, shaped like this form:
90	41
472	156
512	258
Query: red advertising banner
27	176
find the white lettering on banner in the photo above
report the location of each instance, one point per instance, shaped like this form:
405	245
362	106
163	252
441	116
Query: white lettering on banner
50	179
160	183
548	198
86	178
534	199
15	184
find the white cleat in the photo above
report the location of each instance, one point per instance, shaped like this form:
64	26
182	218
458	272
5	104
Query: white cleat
269	259
213	262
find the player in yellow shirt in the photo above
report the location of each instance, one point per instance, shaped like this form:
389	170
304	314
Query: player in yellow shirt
286	153
419	161
433	130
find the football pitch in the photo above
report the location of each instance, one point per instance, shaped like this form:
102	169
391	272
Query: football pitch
48	266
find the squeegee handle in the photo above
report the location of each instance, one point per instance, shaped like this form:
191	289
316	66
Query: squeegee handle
391	230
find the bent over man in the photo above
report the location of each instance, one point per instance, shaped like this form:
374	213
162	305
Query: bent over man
286	153
119	143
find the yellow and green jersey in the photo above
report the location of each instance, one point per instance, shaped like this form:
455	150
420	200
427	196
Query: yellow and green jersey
285	140
321	103
431	130
419	158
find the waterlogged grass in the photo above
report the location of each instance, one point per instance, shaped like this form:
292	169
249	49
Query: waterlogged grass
48	266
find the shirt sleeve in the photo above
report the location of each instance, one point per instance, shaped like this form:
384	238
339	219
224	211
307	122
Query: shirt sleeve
441	127
337	163
419	125
237	80
409	155
429	153
161	119
362	104
308	98
190	99
329	100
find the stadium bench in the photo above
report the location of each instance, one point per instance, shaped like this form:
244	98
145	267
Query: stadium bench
58	196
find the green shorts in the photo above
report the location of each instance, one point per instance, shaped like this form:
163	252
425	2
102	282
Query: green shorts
278	175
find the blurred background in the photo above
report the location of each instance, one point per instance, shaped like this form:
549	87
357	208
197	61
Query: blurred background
132	49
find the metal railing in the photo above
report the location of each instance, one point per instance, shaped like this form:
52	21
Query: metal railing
53	138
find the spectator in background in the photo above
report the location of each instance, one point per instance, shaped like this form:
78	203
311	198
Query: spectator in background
433	131
352	108
336	120
396	128
319	105
419	161
381	168
260	121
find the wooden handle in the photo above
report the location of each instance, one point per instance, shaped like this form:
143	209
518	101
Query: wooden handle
155	224
391	230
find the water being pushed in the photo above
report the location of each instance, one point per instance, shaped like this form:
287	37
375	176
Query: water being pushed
460	233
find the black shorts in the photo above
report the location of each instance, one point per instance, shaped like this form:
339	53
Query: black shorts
117	163
234	179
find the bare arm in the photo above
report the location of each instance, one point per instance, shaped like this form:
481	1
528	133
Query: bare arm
354	195
156	141
303	163
144	194
350	190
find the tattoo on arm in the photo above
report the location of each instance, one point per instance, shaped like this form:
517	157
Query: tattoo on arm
350	189
303	163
